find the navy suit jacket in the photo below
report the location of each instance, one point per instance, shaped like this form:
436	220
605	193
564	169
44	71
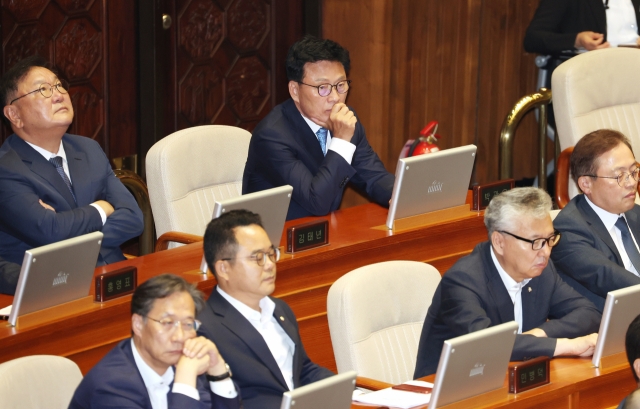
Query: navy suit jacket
26	177
9	274
244	349
285	151
472	296
115	382
556	24
586	256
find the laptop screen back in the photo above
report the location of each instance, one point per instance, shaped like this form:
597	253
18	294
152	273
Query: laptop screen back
334	392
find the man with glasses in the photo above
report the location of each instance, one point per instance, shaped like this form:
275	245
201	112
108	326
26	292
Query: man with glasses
601	227
53	185
509	278
257	334
313	141
164	365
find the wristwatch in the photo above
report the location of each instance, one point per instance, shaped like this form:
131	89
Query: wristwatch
216	378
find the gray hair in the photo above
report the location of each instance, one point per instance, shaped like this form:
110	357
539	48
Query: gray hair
507	207
162	286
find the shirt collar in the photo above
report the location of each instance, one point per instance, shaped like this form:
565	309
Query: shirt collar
509	282
267	306
608	219
150	377
48	155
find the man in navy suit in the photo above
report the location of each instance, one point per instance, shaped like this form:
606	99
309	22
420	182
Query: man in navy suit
53	185
257	334
164	365
601	227
511	278
313	141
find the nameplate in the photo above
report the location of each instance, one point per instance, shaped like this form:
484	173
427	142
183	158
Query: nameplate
307	236
116	283
482	194
529	374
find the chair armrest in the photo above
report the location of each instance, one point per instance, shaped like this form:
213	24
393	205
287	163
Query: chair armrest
185	238
371	384
562	178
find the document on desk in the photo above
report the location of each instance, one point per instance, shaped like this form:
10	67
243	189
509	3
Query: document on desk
4	313
397	398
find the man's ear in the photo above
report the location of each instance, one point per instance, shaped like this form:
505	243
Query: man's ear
584	183
136	324
636	367
294	89
497	242
222	273
13	115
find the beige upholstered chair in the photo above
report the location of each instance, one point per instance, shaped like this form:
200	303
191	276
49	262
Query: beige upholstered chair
595	90
375	316
38	382
187	171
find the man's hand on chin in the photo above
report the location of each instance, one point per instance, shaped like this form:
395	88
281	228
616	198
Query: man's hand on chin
342	122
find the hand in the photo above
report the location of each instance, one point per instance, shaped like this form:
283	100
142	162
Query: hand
342	122
188	369
46	206
106	206
590	41
536	332
581	346
201	347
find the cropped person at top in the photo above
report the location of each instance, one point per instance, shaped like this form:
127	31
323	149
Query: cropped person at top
313	141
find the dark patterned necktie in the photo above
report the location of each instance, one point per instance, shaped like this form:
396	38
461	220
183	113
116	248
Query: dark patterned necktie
322	138
627	241
57	162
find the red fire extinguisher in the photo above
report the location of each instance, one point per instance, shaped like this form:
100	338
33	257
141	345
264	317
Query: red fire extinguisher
426	143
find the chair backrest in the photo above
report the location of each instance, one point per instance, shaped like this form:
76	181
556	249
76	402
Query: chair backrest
597	90
189	169
376	315
38	381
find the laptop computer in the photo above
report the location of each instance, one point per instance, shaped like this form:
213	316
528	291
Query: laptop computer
620	308
56	273
272	205
334	392
430	182
472	364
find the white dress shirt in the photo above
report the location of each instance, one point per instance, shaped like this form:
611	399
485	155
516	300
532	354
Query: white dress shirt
622	27
65	165
339	146
609	220
280	344
514	288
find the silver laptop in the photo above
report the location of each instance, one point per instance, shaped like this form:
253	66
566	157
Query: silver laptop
429	182
334	392
272	205
56	273
620	308
473	364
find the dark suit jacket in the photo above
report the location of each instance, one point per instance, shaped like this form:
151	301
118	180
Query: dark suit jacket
586	256
557	23
243	348
285	151
9	274
472	296
115	382
26	176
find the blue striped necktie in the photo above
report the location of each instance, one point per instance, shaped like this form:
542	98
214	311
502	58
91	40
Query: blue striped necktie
57	162
322	138
627	242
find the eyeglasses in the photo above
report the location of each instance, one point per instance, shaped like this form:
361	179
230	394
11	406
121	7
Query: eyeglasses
171	325
538	244
622	178
46	90
260	257
325	89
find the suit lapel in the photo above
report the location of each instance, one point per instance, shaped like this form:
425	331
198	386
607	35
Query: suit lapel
303	133
239	325
596	224
80	173
496	287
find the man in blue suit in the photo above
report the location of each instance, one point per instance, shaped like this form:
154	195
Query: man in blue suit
313	141
509	278
53	185
257	334
164	365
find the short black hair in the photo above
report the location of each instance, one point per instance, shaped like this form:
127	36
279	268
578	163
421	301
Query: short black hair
313	49
220	239
632	344
162	286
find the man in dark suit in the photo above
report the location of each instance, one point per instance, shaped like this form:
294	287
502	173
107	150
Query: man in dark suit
53	185
511	278
567	26
314	141
632	347
599	250
257	334
164	364
9	274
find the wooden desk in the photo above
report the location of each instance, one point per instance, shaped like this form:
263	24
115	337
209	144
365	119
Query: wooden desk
90	330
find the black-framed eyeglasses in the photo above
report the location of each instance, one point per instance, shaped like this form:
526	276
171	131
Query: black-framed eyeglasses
622	178
538	244
46	90
260	257
169	325
325	89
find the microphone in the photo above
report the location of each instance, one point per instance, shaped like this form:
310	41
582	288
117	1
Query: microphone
606	4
